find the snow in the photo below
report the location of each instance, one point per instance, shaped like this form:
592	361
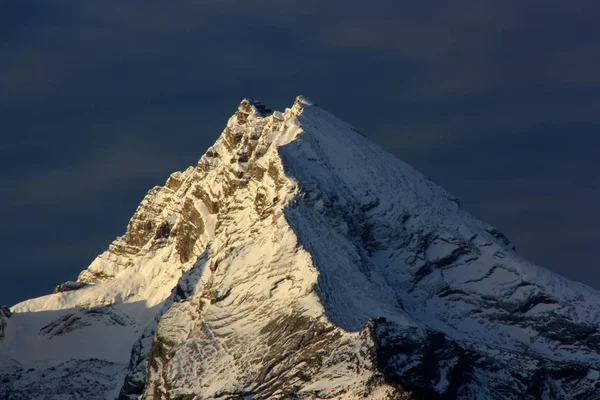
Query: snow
315	224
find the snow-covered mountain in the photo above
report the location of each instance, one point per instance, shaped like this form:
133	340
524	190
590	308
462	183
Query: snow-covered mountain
298	260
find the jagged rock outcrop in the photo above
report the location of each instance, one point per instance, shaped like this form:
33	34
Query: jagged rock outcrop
68	286
5	314
297	260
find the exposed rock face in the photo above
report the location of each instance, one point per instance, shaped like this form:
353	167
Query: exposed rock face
77	379
298	260
85	317
5	314
430	365
68	286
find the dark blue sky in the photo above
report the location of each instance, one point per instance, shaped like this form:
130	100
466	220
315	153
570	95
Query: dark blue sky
499	102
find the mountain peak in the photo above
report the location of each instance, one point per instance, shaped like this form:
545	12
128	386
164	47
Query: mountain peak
297	259
251	108
302	101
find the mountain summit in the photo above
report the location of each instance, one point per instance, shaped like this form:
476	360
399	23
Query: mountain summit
298	260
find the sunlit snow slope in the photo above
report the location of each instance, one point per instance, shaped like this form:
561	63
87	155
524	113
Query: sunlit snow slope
299	260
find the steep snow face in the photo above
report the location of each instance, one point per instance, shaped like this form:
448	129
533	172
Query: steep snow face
299	260
377	229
